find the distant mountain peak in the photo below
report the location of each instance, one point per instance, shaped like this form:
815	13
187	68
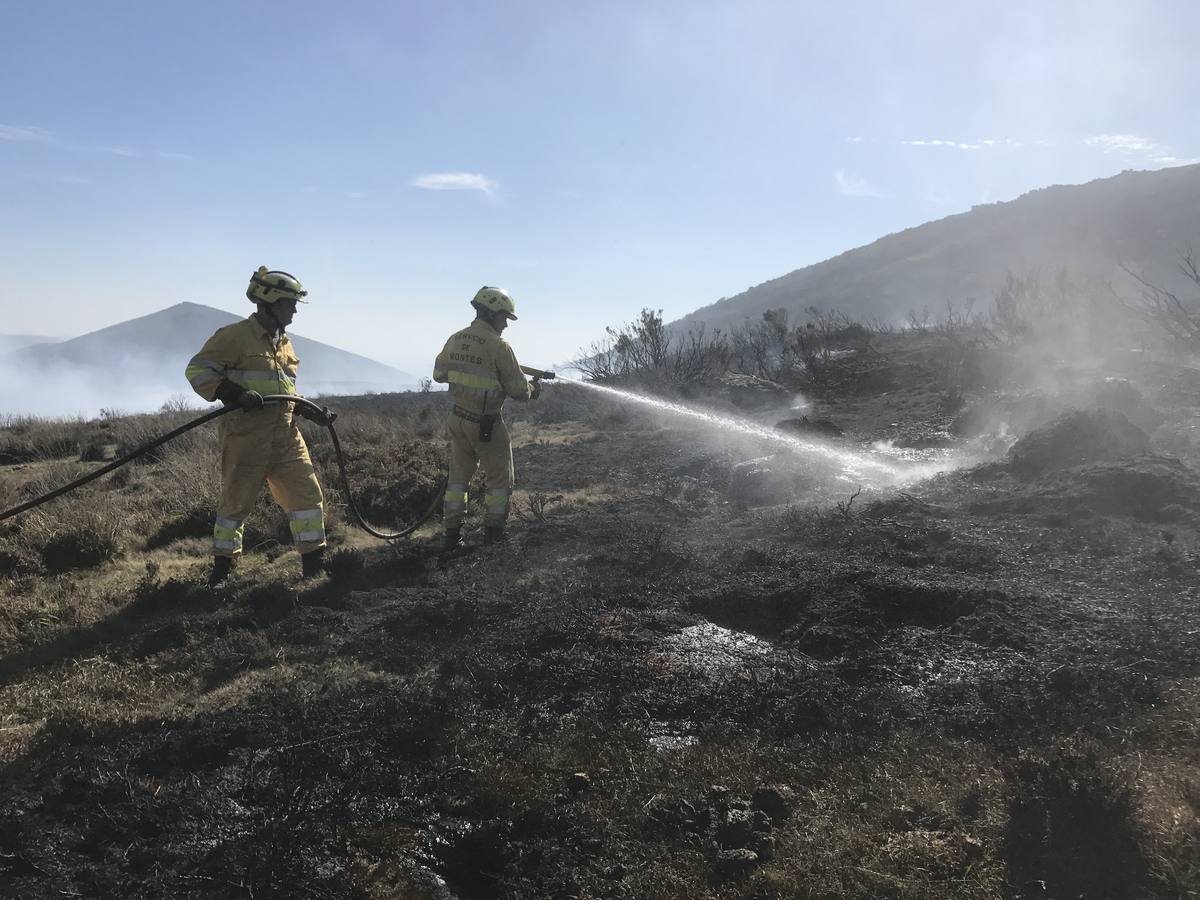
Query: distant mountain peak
150	352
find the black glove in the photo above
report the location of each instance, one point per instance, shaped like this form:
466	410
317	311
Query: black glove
323	416
235	395
537	389
250	400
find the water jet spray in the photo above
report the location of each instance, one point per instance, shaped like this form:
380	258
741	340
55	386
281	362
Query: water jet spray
855	464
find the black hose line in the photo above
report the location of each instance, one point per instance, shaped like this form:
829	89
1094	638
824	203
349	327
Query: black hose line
217	413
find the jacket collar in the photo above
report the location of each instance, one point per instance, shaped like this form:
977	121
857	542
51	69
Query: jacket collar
260	331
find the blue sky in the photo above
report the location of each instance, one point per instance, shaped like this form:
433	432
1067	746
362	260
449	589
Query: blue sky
594	158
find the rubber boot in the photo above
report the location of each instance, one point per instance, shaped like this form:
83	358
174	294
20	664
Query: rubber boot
452	541
493	534
312	563
222	565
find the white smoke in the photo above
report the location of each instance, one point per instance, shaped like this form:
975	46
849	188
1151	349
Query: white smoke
65	391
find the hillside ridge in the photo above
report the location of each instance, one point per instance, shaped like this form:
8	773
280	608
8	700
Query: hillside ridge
1140	219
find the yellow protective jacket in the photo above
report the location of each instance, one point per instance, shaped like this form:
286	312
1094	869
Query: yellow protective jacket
246	354
481	369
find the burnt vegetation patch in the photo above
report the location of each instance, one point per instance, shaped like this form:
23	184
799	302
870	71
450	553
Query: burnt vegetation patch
758	609
905	530
1150	489
1078	437
1072	829
906	600
858	607
261	799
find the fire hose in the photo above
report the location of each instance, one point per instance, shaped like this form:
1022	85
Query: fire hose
215	414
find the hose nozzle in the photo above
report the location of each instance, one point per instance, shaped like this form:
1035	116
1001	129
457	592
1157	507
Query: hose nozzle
537	373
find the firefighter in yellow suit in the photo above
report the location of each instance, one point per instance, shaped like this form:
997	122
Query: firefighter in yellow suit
482	372
238	365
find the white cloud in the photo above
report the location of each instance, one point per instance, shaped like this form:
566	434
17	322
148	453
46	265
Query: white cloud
25	133
454	181
854	186
957	145
1122	143
1134	147
31	134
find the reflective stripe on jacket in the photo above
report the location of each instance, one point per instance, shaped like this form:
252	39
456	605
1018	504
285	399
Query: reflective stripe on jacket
481	369
246	354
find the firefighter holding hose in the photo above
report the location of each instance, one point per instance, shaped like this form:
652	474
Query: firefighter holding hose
238	365
482	372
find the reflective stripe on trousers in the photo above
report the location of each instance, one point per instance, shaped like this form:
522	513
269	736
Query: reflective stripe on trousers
308	525
227	536
454	505
496	502
455	499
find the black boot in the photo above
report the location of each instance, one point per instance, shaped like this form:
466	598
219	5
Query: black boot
220	570
312	563
493	534
452	541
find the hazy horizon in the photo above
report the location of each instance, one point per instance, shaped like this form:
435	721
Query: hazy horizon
593	160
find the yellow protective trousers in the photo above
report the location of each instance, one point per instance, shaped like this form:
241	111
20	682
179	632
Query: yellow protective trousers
468	452
259	446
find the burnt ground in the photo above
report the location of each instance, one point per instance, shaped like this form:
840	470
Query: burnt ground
675	679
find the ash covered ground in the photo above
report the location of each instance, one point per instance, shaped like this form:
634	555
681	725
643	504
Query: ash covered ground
703	665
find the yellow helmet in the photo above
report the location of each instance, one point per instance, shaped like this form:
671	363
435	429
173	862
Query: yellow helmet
495	300
269	286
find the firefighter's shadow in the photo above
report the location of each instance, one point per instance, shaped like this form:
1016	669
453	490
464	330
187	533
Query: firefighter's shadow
168	615
135	631
163	616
